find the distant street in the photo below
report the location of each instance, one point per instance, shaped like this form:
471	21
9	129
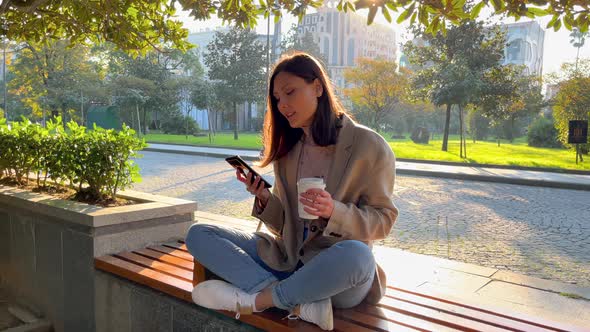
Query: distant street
539	232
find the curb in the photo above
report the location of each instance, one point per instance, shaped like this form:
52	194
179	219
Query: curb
520	168
496	179
427	173
200	153
205	146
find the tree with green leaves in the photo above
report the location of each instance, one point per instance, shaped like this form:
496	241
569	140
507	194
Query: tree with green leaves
164	98
378	87
577	41
452	66
509	95
138	26
572	102
133	26
236	59
210	96
131	93
57	77
570	70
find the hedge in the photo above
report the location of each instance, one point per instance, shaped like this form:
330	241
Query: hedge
95	163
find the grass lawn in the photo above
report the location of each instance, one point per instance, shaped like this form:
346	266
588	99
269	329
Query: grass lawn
481	152
487	152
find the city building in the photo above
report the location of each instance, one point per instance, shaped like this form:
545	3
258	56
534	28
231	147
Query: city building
524	46
344	37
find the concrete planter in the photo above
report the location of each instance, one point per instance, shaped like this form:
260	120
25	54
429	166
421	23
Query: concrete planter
48	245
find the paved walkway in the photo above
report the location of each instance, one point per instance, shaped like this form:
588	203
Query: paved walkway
489	174
494	289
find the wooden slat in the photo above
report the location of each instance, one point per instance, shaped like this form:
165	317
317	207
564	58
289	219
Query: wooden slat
371	322
199	273
173	260
148	277
176	245
174	252
182	289
273	321
436	316
345	326
402	319
168	269
462	310
516	321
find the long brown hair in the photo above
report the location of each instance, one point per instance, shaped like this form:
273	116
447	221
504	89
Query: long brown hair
278	137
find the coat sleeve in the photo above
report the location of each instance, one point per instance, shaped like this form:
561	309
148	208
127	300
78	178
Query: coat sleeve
374	215
273	214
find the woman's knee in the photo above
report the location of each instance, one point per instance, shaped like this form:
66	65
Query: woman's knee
359	256
197	235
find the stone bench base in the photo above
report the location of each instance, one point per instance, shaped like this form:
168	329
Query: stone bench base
123	305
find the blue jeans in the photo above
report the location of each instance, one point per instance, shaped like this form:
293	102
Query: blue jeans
344	272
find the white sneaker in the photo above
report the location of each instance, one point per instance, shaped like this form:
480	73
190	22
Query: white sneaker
220	295
319	313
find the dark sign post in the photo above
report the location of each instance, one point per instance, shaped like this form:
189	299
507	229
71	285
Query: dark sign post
578	134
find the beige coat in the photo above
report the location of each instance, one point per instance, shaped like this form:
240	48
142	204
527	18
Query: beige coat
361	184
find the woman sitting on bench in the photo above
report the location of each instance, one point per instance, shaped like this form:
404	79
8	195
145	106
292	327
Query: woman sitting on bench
319	255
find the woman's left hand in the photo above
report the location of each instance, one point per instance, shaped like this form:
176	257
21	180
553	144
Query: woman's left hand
317	202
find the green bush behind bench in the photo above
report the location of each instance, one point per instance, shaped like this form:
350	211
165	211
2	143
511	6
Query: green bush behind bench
95	163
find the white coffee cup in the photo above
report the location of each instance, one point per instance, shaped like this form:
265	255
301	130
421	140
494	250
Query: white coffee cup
304	185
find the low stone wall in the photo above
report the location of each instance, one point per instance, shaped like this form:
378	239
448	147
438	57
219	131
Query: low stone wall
48	245
122	305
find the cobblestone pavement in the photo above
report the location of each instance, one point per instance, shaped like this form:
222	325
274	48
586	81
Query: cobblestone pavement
541	232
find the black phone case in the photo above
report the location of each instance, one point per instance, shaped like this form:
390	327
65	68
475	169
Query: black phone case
237	162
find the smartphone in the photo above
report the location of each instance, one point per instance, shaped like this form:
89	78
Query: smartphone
240	164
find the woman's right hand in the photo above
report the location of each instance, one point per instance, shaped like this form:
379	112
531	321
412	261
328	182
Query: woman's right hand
256	188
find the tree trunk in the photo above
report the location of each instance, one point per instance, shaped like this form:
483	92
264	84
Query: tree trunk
463	133
215	115
235	121
216	122
462	136
186	127
473	127
138	118
445	143
460	132
249	116
144	120
210	122
512	120
82	106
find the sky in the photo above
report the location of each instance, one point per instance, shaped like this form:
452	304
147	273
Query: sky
557	48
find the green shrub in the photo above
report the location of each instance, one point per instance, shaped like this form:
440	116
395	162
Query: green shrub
180	125
95	163
542	133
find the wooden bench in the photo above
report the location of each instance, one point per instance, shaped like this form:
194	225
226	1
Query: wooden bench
170	268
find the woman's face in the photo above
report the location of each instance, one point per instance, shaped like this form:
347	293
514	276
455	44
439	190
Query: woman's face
297	100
